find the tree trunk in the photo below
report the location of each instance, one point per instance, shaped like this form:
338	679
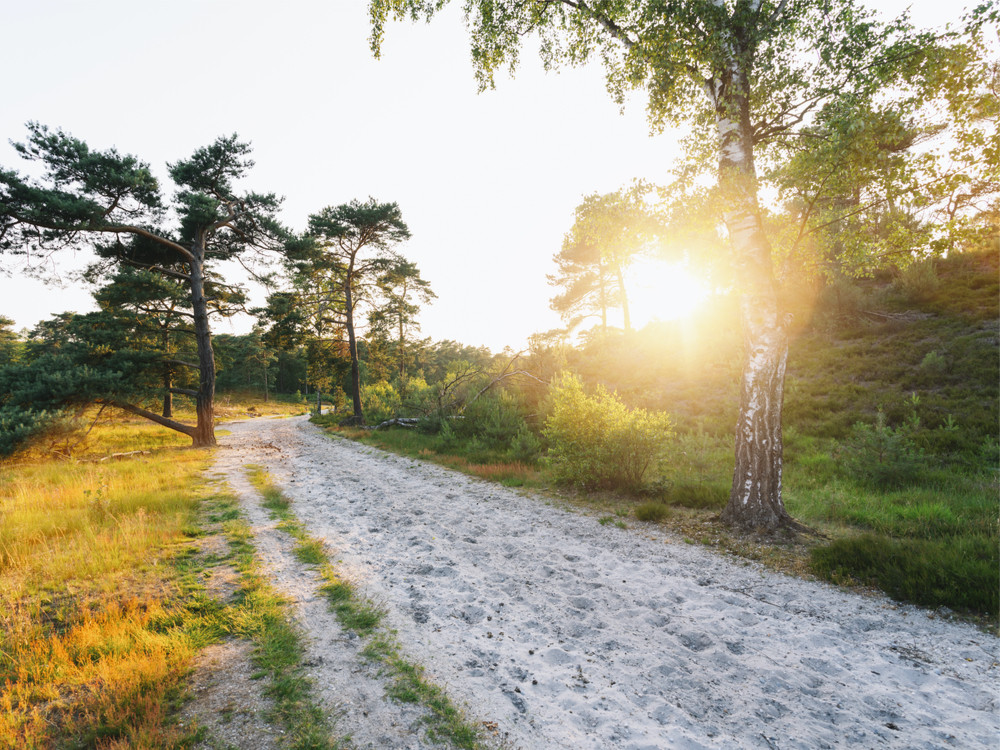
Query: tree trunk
168	396
154	417
402	352
168	380
621	287
755	498
352	341
604	299
204	434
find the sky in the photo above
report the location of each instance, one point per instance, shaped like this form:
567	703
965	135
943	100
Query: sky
487	182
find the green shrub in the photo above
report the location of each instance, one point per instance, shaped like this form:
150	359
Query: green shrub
918	282
20	426
447	440
380	401
526	446
960	573
495	419
652	512
598	441
881	456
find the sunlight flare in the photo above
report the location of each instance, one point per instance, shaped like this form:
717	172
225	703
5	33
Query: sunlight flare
663	291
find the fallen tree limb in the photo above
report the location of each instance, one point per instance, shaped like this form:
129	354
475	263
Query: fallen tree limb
398	422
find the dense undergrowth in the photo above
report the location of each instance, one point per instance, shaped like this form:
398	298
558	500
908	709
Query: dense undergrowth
891	422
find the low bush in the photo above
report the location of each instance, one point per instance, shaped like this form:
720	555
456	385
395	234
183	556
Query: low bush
380	401
492	417
598	441
652	512
960	573
918	282
526	447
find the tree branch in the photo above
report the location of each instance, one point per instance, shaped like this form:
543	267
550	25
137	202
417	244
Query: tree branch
183	364
610	26
153	417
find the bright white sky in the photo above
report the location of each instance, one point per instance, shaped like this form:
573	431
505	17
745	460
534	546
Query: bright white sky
487	182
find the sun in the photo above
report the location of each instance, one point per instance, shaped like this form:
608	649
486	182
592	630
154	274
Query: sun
662	291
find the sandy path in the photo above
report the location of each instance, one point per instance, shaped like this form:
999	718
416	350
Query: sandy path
569	634
349	688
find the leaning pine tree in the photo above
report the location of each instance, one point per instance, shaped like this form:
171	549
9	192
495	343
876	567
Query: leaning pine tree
746	72
113	201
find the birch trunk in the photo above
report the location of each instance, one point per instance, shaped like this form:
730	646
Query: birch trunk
755	500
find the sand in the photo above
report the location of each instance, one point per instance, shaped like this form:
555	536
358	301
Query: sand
559	632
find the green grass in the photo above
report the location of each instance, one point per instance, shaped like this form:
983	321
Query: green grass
445	723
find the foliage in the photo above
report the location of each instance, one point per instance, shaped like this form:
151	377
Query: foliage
525	446
244	362
496	420
608	233
10	343
381	401
918	282
597	441
402	289
339	262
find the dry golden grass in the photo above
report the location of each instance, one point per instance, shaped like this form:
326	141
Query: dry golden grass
87	589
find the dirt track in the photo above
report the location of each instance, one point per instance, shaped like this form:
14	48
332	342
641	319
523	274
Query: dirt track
569	634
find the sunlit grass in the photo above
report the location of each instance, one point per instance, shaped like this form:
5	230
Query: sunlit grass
88	579
426	447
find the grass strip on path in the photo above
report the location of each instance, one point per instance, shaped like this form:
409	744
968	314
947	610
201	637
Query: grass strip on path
262	615
445	722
